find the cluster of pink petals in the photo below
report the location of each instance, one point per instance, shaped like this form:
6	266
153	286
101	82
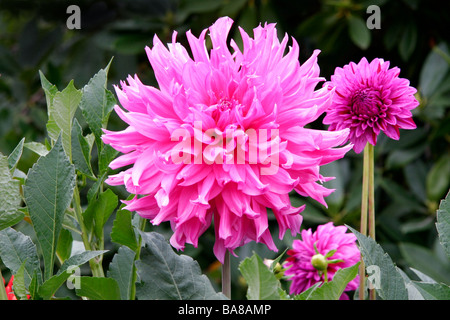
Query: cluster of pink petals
224	89
370	98
327	237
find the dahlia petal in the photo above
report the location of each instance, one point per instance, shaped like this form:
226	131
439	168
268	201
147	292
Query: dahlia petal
124	160
143	124
198	46
126	140
392	132
146	207
406	123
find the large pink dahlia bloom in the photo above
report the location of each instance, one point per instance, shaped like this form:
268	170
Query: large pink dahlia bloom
370	98
300	267
224	137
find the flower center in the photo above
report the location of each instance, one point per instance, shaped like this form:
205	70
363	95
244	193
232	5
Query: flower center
366	102
220	111
224	105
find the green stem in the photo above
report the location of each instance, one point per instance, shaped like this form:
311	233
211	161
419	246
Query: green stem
3	295
364	207
372	293
226	276
371	193
142	223
365	190
96	267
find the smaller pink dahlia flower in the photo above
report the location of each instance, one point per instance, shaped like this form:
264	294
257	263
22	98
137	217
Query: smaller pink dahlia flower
370	98
328	247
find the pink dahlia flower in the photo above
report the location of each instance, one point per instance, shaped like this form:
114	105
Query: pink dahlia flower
370	98
223	138
304	271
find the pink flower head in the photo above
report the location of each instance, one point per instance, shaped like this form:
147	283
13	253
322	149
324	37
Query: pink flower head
327	237
224	137
370	98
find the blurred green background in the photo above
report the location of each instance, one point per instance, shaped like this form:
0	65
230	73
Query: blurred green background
412	174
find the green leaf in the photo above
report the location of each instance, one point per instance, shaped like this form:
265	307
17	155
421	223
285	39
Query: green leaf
262	283
96	288
97	103
306	295
10	218
81	150
401	157
232	8
416	181
64	246
49	287
336	199
37	148
196	6
10	198
413	293
443	223
16	249
358	31
392	285
433	71
99	210
49	89
96	187
14	157
122	270
334	289
107	154
433	291
19	283
169	276
408	41
426	261
79	259
62	110
123	231
422	276
48	192
438	178
34	285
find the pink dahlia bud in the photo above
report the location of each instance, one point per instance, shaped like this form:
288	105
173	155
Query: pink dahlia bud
317	256
223	138
370	98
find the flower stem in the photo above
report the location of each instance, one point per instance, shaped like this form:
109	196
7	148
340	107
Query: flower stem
96	267
141	225
226	276
372	293
364	207
371	193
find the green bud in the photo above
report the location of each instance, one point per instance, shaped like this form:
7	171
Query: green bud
319	262
278	270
